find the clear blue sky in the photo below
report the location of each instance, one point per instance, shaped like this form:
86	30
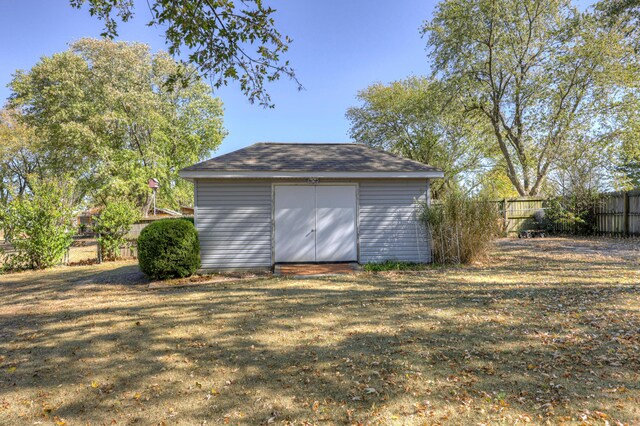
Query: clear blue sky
340	47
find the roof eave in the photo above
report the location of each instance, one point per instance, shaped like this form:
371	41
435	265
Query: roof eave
203	174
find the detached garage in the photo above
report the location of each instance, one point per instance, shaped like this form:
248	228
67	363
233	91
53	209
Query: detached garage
309	203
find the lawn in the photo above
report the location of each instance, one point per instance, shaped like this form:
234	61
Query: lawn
546	331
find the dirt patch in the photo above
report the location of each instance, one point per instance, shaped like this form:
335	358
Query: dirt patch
207	279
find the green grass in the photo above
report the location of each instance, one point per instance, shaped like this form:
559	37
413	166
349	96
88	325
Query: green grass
394	266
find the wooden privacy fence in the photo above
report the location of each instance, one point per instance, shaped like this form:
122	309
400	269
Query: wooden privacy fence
615	214
137	227
127	251
519	213
618	213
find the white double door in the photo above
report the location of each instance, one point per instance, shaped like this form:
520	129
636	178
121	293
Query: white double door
315	223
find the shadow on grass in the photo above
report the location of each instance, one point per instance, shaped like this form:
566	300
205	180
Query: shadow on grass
450	345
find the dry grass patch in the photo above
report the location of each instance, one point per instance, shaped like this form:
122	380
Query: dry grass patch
547	332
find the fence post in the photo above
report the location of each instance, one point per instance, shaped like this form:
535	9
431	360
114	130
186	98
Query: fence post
625	214
99	249
505	217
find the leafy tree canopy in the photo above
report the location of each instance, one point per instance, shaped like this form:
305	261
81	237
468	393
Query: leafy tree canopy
418	119
112	226
547	79
226	40
615	9
19	160
39	226
629	163
107	118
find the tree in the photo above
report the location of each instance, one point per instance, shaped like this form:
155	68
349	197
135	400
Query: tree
112	226
39	226
543	75
630	169
583	171
494	184
226	40
615	9
417	119
109	120
628	166
19	160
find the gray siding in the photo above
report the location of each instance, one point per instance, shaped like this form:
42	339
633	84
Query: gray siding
233	219
389	229
234	223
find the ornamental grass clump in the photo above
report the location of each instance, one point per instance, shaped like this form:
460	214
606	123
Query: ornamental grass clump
461	228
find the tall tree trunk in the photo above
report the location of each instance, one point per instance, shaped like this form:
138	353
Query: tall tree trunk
511	170
147	205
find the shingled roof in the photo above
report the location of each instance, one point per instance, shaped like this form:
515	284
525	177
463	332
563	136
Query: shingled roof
265	157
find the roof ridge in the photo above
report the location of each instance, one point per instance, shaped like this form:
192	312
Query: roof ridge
310	157
308	143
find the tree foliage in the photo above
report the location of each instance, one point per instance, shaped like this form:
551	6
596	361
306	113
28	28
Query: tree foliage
19	159
226	40
494	184
584	169
417	119
108	119
628	167
39	226
620	9
545	77
113	224
627	162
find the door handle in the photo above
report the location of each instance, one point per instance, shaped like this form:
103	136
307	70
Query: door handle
309	233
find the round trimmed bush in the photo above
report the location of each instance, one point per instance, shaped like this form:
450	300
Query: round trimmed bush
169	248
188	219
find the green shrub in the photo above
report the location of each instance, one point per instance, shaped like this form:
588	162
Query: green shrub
39	227
112	226
461	227
169	248
393	265
574	215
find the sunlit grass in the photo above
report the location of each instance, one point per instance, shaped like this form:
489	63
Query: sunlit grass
546	332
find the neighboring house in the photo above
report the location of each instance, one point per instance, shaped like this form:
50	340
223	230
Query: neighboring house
86	217
162	213
186	211
289	202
